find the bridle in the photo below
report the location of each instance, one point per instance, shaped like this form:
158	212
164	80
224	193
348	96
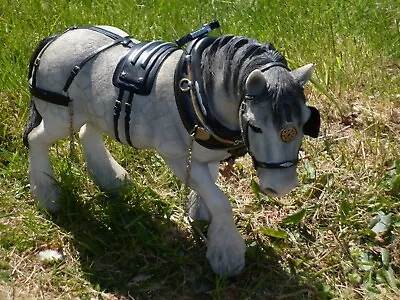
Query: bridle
207	131
244	128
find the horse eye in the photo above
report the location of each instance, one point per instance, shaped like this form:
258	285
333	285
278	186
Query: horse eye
255	128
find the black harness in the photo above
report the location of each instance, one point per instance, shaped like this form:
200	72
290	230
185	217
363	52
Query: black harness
193	107
62	98
194	111
135	72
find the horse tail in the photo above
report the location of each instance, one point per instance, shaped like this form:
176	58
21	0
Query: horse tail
34	120
34	116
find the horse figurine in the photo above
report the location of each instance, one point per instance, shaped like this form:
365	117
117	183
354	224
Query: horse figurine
215	98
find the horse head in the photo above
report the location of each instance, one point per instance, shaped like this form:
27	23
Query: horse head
273	120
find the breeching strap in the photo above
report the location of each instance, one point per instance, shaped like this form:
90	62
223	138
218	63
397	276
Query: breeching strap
77	68
62	98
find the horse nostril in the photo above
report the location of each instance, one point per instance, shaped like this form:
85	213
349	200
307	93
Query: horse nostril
270	192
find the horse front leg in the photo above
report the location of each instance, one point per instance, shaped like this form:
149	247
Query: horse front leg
225	246
197	209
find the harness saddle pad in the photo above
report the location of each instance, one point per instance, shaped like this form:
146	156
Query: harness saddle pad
137	69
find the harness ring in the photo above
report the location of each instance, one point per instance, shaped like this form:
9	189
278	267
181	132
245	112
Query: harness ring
185	84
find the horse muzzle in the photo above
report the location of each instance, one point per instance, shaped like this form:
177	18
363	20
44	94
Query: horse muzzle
277	182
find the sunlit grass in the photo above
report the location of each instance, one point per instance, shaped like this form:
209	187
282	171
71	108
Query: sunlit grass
319	242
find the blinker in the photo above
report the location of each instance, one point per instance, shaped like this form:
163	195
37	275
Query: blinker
288	133
313	124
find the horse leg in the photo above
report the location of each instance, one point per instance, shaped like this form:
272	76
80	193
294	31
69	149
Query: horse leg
44	187
106	172
225	246
197	209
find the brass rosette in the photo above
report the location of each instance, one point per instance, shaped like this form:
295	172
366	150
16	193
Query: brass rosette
288	133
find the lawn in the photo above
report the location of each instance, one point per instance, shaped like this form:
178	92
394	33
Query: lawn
336	236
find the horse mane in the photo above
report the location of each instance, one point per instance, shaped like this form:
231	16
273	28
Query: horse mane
235	57
232	58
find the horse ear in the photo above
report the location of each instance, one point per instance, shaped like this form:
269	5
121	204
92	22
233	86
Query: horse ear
303	74
255	83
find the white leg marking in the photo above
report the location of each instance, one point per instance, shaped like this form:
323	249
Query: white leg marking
106	172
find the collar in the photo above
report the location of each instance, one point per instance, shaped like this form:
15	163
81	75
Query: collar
193	105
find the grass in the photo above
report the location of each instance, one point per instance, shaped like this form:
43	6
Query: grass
335	236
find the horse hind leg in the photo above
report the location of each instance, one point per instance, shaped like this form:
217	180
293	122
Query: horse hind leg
105	171
39	135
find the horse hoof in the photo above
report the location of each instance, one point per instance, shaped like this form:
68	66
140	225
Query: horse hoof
225	250
50	206
47	198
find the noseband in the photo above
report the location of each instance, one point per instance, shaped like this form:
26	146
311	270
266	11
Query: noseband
244	128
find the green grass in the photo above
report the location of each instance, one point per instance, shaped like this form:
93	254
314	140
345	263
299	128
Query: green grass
335	236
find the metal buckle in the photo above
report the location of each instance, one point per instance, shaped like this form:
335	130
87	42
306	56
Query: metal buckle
200	133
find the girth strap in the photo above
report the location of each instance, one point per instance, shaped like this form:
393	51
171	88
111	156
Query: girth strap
135	74
128	109
117	112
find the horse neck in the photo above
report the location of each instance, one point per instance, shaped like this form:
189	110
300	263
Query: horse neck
223	105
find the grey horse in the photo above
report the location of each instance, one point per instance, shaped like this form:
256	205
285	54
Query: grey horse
216	97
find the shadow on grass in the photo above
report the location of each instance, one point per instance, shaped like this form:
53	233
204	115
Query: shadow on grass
129	246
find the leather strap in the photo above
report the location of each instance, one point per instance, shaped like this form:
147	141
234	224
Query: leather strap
78	67
48	96
274	64
117	112
101	30
281	165
128	110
